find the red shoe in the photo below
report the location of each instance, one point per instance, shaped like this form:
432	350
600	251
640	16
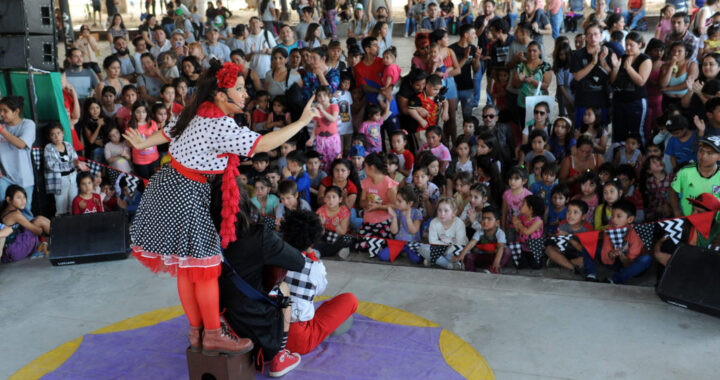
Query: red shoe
283	362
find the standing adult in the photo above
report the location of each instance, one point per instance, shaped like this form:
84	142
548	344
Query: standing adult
260	44
111	7
590	71
677	71
532	74
470	64
629	79
680	22
127	63
538	20
319	74
701	21
111	64
146	30
368	76
17	135
204	141
555	12
280	77
97	14
151	81
359	26
287	39
213	48
162	44
412	86
452	68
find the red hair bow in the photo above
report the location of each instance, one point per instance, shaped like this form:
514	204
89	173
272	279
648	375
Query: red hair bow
227	76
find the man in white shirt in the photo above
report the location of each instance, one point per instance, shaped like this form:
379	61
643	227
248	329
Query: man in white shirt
260	44
161	42
213	48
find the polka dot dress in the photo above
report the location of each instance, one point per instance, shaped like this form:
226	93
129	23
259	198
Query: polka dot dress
173	218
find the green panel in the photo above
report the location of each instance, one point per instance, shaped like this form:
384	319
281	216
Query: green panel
50	102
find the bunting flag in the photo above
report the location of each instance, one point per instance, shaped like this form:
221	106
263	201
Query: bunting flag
94	167
414	246
37	159
132	181
702	222
561	241
646	231
331	237
589	241
395	247
617	236
516	251
269	223
455	249
374	245
436	251
672	228
537	247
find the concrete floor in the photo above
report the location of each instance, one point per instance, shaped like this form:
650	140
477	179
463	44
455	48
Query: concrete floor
526	328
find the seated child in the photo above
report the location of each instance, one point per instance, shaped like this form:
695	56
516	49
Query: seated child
130	200
631	259
315	172
335	218
405	224
23	240
487	248
274	176
630	154
261	112
543	188
264	202
86	202
448	230
406	159
433	136
294	172
572	257
260	162
538	139
463	183
393	169
377	199
588	194
310	326
556	212
656	188
108	195
279	117
461	163
117	153
612	193
285	149
427	193
529	225
627	176
682	146
472	212
357	156
371	128
289	200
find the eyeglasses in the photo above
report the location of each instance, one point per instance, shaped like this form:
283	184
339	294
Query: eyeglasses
540	113
490	116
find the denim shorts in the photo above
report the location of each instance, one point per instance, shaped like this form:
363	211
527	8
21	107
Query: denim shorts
451	88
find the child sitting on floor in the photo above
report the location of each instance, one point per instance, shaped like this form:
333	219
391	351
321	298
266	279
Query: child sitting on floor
289	200
529	225
486	249
448	230
572	257
335	218
405	224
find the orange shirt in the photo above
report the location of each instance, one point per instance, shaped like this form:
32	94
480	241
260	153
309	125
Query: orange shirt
635	246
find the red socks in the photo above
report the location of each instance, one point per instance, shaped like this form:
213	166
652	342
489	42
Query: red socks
201	302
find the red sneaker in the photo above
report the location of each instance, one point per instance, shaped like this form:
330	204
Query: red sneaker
283	362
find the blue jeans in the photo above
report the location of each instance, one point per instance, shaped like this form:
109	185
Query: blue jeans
5	183
409	25
467	101
636	18
556	22
477	82
622	273
513	18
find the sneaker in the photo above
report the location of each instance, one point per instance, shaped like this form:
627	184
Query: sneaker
608	280
405	35
592	277
458	266
283	362
426	262
344	253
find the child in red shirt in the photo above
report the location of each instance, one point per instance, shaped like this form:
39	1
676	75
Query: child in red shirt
261	112
86	202
426	101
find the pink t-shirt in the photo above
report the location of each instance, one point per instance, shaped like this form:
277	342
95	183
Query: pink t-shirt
149	155
441	152
377	193
514	203
392	71
324	127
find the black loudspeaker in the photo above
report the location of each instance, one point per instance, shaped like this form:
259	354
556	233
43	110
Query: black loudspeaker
28	16
691	280
19	52
89	238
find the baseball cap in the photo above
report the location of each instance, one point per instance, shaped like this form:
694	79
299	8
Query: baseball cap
359	6
213	27
357	150
676	122
179	12
711	141
707	201
178	31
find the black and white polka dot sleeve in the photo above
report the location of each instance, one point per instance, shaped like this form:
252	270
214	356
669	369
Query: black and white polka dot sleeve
168	127
232	138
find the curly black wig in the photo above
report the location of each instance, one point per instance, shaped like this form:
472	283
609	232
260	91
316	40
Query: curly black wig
301	229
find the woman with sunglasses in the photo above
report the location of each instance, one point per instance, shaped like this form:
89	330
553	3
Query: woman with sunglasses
531	74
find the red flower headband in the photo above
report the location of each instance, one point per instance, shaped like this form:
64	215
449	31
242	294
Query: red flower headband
227	76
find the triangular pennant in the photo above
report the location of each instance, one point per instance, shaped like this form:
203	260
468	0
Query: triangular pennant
436	251
374	246
702	222
561	241
455	249
395	247
672	228
589	241
646	231
516	251
537	247
617	236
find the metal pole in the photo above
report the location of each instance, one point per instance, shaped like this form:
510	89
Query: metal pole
68	36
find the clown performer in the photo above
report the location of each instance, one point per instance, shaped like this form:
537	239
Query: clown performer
173	230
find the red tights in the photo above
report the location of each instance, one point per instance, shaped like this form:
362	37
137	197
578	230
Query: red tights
201	301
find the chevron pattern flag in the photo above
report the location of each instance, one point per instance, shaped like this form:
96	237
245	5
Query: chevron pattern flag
561	241
132	182
537	247
516	250
617	236
456	249
672	229
646	231
374	246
